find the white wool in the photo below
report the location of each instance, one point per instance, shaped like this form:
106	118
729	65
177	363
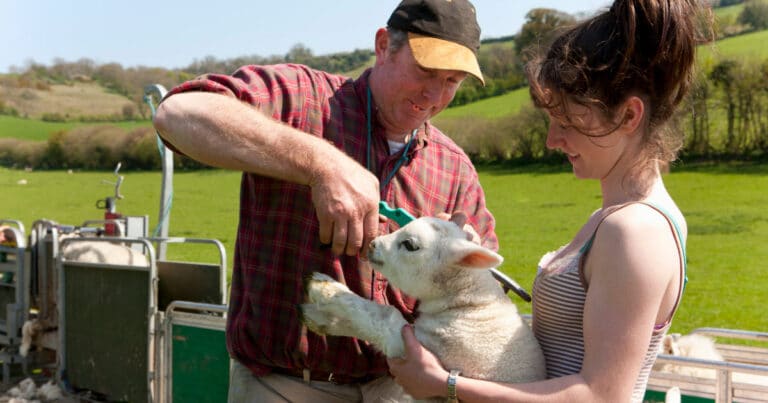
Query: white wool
50	391
26	389
27	392
103	252
673	395
29	332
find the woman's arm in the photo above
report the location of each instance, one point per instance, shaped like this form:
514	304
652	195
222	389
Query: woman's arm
422	376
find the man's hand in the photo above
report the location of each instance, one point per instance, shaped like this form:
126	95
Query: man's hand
460	219
346	199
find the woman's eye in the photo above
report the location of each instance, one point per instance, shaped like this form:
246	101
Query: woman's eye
409	245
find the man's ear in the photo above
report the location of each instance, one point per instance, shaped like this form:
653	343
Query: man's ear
381	44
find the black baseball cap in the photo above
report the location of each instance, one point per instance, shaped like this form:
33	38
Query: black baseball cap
443	34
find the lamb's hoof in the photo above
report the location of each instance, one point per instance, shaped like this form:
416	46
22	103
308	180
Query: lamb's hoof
314	318
321	288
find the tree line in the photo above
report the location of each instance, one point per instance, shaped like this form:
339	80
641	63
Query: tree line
724	117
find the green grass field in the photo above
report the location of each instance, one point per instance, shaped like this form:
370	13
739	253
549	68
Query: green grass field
490	108
729	13
37	130
741	47
537	210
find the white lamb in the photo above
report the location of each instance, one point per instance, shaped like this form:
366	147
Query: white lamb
702	347
692	345
464	316
87	252
103	252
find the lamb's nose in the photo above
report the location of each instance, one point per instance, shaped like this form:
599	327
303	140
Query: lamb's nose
372	245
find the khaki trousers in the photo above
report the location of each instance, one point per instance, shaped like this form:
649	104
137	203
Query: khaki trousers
278	388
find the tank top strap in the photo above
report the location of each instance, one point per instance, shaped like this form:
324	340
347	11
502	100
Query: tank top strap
679	240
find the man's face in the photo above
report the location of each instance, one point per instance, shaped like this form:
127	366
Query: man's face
410	94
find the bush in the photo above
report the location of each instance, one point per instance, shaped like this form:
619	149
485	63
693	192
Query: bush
755	14
21	153
53	117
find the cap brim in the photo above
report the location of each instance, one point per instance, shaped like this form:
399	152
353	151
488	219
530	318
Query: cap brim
435	53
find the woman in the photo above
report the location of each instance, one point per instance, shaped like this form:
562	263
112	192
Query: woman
602	303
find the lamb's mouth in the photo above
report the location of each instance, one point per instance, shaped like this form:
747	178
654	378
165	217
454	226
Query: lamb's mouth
374	261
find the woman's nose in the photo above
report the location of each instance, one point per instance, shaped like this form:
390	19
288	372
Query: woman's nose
554	137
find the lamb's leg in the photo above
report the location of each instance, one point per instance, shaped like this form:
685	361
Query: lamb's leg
335	310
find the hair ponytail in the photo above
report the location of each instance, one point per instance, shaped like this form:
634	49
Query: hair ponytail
637	47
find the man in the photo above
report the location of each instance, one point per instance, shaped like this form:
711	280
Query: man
318	152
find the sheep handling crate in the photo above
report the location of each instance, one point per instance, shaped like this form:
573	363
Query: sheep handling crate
120	324
742	377
14	298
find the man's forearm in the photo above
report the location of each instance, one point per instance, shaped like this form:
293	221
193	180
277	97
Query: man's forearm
226	133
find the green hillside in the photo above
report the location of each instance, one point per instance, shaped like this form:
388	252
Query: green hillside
38	130
744	47
491	108
728	14
78	101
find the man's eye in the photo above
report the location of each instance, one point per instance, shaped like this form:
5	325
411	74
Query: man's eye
409	245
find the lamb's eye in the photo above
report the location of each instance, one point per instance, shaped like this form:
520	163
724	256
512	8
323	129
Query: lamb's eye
409	245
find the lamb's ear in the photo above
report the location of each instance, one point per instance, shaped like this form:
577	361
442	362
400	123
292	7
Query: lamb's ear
473	256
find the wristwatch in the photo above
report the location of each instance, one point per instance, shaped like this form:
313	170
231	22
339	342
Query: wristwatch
452	385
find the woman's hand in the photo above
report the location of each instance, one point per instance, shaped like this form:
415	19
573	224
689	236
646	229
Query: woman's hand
419	372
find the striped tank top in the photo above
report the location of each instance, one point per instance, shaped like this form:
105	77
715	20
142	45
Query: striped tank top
559	294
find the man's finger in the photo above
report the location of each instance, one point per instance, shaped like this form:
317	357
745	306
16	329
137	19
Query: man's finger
370	231
459	219
354	237
339	237
325	234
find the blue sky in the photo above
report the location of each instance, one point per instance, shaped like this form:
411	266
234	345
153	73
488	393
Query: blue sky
172	33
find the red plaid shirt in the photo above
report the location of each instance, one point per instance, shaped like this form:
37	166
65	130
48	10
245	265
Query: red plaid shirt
277	239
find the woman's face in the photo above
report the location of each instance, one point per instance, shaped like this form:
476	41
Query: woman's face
592	153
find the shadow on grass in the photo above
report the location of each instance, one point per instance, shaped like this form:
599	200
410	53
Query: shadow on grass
557	165
752	167
700	223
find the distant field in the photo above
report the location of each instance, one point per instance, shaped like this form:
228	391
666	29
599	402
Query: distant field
73	101
491	108
31	129
537	210
742	47
729	13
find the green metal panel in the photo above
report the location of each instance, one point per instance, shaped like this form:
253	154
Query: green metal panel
653	396
200	365
106	314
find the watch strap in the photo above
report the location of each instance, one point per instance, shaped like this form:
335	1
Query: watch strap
452	376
